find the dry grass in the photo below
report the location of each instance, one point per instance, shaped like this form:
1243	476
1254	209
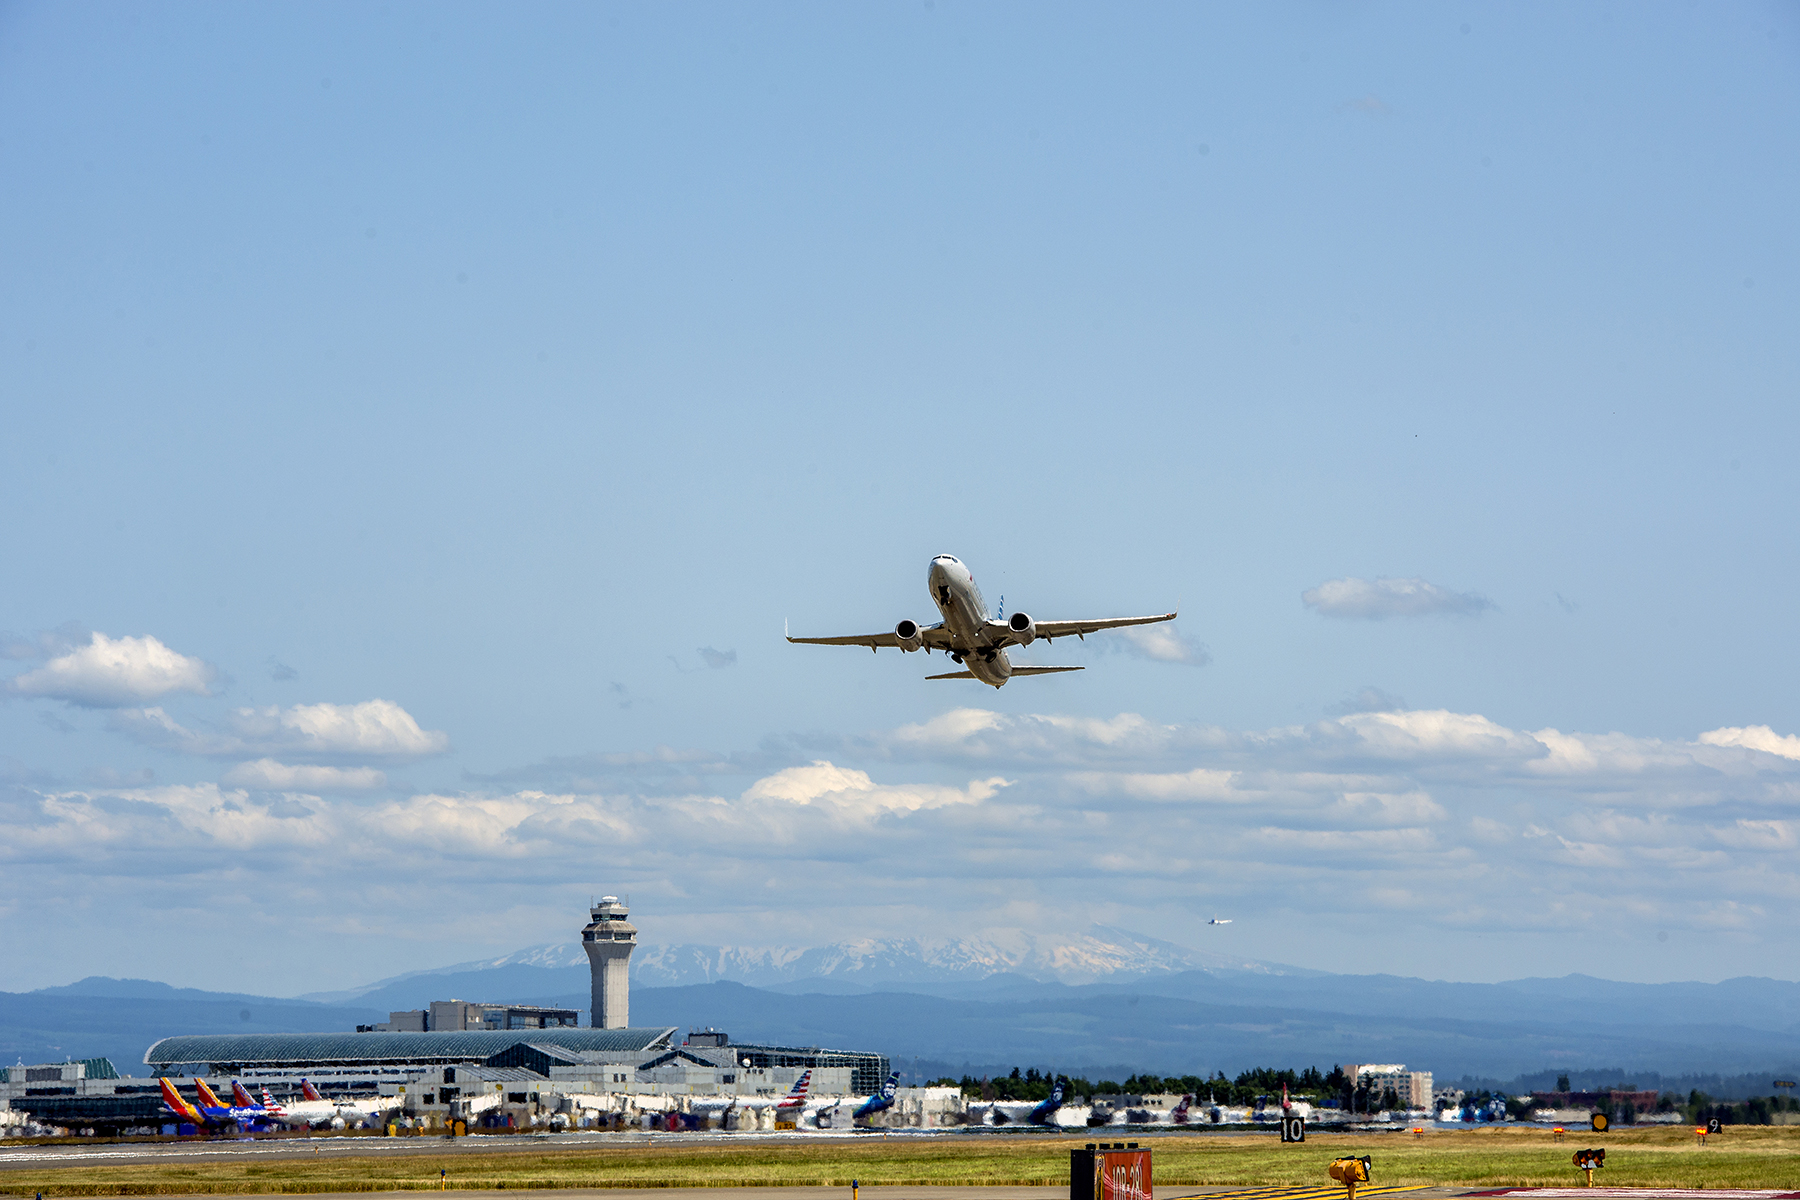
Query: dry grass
1765	1157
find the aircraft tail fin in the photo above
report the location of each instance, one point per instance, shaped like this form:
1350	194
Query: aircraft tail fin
241	1095
797	1093
206	1095
309	1091
174	1103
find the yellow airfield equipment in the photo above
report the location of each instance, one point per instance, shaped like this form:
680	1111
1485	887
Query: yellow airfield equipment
1350	1172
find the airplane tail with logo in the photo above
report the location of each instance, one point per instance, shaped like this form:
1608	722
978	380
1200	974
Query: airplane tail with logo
1042	1114
207	1099
797	1094
309	1091
174	1103
241	1096
1179	1114
268	1102
883	1099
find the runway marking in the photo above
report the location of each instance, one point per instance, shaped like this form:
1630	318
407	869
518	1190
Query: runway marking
1305	1192
1647	1193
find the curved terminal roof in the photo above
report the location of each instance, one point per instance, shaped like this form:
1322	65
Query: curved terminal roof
357	1049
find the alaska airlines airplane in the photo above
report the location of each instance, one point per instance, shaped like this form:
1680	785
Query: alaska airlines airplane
1004	1112
1042	1114
881	1101
969	635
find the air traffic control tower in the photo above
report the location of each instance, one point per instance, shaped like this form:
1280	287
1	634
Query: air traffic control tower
609	940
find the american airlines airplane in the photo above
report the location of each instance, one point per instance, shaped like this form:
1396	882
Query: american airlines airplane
969	635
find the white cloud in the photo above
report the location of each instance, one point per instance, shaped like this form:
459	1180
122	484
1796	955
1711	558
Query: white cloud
1378	599
111	672
372	729
823	783
1755	737
266	774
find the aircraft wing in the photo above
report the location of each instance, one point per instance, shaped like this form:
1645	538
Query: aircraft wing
1056	629
935	637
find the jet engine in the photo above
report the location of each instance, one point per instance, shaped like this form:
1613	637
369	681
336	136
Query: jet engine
909	635
1023	628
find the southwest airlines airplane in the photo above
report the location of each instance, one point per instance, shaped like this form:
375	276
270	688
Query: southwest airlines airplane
969	635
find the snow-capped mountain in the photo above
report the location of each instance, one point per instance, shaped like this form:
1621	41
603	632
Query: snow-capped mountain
1101	954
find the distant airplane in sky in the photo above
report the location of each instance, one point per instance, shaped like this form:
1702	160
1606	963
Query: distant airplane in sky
969	635
1217	921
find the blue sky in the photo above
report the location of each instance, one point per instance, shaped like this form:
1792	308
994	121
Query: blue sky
492	363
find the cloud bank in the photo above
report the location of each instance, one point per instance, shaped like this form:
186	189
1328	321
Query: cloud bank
1378	599
265	774
377	729
1433	825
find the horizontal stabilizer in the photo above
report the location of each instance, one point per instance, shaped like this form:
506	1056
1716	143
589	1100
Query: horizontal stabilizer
1015	671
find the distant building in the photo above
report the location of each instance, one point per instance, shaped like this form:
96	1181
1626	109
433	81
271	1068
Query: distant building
446	1016
1412	1087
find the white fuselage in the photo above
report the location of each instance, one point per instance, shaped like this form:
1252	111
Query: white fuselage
965	615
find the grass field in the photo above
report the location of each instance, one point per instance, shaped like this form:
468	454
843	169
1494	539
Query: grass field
1746	1156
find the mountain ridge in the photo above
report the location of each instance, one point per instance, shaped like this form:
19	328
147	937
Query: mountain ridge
1102	952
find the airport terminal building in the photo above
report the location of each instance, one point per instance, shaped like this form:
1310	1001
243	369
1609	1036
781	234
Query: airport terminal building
428	1061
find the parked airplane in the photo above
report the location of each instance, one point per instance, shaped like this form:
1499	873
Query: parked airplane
314	1110
1042	1113
210	1110
882	1100
792	1105
969	635
181	1108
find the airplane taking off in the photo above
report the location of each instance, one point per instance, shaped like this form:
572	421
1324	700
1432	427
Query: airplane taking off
1216	921
969	635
